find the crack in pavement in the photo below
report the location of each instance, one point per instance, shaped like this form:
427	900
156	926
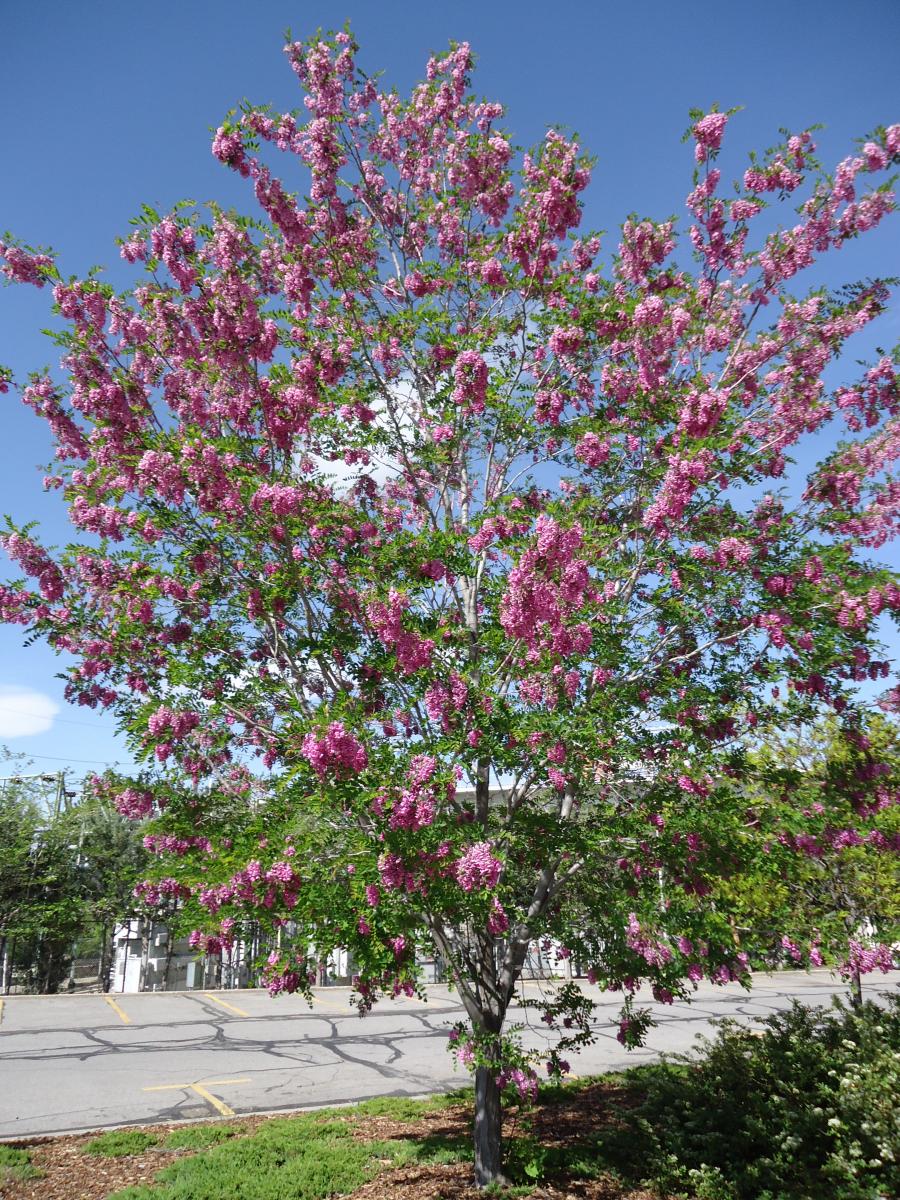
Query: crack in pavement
306	1059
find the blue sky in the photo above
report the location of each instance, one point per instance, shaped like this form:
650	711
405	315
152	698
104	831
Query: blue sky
109	105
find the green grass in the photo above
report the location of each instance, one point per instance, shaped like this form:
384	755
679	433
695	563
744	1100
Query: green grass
306	1157
119	1143
16	1164
200	1137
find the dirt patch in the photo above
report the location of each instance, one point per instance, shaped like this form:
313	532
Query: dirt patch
455	1183
569	1122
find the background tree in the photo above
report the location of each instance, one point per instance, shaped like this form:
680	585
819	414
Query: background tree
112	860
41	907
20	821
823	835
404	491
67	876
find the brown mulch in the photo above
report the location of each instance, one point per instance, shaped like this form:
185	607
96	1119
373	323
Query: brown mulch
68	1174
454	1182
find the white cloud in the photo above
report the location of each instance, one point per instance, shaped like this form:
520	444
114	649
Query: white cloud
406	404
24	712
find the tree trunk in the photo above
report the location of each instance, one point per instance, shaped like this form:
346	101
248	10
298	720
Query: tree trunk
855	983
146	928
8	966
488	1128
486	1003
103	964
170	946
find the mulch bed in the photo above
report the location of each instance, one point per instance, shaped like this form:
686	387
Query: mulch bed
69	1174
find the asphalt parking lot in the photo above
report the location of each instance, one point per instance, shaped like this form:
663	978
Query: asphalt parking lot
77	1062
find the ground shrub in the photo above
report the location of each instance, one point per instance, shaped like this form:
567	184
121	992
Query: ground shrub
306	1158
199	1137
807	1111
118	1143
16	1164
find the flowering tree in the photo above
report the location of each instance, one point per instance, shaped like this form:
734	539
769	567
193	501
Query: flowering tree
489	551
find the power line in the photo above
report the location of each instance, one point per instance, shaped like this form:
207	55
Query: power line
29	712
110	762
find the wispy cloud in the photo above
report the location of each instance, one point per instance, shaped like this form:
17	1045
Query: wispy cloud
24	712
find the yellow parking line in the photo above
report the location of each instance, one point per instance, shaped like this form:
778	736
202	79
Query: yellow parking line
112	1004
171	1087
202	1091
217	1104
334	1005
224	1003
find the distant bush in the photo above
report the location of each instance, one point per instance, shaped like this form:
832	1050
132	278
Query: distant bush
806	1111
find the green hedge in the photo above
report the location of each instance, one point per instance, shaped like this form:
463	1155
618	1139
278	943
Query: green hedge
809	1110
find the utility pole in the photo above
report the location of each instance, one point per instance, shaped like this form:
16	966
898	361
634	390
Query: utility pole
57	777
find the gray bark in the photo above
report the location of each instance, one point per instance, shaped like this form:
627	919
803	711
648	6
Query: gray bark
488	1130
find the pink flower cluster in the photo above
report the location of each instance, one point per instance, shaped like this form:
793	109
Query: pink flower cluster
23	267
175	725
207	943
172	244
279	976
498	921
862	960
35	561
445	702
413	652
415	807
644	246
154	891
478	868
470	374
653	952
169	843
394	874
337	751
682	478
538	608
708	134
592	450
130	802
523	1079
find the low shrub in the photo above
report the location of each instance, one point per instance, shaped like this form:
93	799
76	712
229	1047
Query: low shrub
305	1157
199	1137
118	1143
16	1164
806	1111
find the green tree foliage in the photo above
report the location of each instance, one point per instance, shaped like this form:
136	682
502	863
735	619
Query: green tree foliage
820	818
67	875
